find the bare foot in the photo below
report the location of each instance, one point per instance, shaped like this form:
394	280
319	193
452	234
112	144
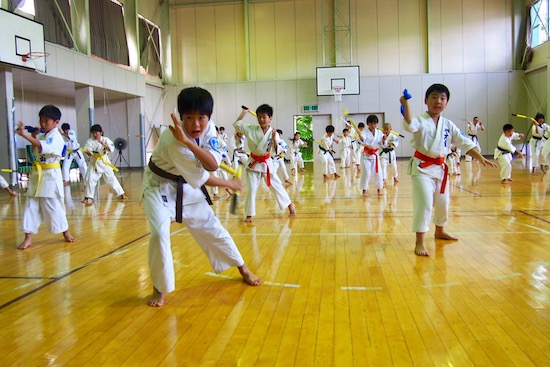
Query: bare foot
288	182
156	299
248	276
123	197
442	235
505	181
302	169
291	210
325	177
365	193
68	236
26	243
248	219
336	175
395	180
88	201
380	192
420	250
215	197
293	172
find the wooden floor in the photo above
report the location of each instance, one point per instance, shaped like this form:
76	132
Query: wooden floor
342	286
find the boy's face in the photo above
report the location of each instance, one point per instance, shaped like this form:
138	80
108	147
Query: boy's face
371	125
509	133
346	133
436	102
264	120
387	130
47	123
297	136
194	123
476	120
97	135
329	133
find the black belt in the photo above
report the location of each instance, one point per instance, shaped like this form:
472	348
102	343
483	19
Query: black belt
180	180
504	150
387	150
325	151
537	137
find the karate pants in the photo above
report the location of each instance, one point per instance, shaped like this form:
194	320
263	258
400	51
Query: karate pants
425	190
345	157
279	164
505	163
545	153
536	149
253	180
368	168
202	224
296	161
385	159
51	210
79	158
219	173
110	179
468	158
329	167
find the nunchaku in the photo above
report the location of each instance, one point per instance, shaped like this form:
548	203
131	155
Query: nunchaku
249	111
237	173
529	130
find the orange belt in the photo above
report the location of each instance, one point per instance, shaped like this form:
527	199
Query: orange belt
428	161
261	159
372	152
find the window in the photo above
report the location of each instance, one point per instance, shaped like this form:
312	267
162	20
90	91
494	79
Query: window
23	7
539	22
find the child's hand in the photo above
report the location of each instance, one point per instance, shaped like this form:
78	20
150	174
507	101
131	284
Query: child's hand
521	135
235	184
20	128
177	131
487	162
520	154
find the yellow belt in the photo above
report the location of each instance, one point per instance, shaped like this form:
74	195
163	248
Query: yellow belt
103	158
39	167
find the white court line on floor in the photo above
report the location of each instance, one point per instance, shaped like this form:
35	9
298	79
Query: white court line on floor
506	276
537	228
361	288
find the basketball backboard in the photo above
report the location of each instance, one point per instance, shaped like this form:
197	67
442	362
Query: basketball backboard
19	36
345	77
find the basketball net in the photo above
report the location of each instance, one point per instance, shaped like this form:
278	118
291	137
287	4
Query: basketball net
337	92
38	59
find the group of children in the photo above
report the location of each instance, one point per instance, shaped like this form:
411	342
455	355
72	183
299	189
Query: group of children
174	180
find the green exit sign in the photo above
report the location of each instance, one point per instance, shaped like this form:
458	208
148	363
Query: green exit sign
310	108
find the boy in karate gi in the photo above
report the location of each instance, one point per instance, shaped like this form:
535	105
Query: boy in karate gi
173	189
346	149
433	135
505	150
72	153
220	173
45	191
472	130
390	141
537	142
357	147
279	153
327	153
296	159
236	144
371	141
260	138
98	148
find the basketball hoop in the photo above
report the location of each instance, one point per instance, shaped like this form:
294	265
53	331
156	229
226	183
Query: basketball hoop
38	59
337	92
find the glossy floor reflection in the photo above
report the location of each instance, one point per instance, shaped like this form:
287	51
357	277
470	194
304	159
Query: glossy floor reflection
342	285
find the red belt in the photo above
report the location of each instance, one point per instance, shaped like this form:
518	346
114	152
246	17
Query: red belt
261	159
372	152
428	161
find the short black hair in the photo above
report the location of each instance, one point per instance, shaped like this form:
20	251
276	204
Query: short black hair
329	129
440	88
95	128
507	127
222	128
345	131
65	126
195	99
539	116
50	111
360	125
265	108
372	118
280	132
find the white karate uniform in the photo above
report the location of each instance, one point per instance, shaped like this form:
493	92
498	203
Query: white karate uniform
357	148
159	195
3	183
45	199
391	142
433	141
545	152
453	161
220	173
537	143
472	132
295	154
97	167
236	145
73	153
279	152
325	151
505	159
370	163
260	146
346	151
